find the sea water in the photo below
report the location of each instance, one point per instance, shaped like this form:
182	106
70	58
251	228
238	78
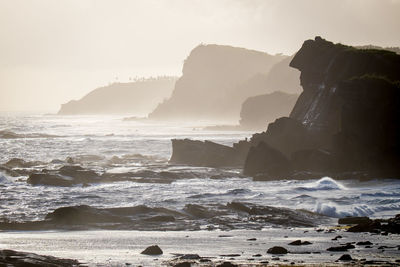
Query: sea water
95	140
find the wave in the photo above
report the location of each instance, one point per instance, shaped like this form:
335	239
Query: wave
332	210
325	183
4	179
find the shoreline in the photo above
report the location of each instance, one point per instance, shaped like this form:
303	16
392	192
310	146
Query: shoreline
242	247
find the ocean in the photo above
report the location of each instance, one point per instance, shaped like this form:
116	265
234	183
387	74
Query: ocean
145	147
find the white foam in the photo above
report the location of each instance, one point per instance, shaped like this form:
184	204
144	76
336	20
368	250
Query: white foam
325	183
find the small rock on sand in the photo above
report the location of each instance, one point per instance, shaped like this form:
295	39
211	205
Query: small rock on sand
183	264
345	257
152	250
299	243
277	250
227	264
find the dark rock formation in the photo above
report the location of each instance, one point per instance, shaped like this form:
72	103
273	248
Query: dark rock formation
354	220
20	163
258	111
382	226
152	250
277	250
341	248
265	160
138	98
204	153
345	121
65	176
215	81
345	257
227	264
21	259
183	264
364	243
234	215
299	243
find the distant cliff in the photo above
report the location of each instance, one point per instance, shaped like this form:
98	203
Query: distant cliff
215	81
136	98
345	124
258	111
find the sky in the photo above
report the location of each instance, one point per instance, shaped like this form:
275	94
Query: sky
55	51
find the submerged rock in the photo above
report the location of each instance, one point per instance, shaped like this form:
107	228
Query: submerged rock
152	250
65	176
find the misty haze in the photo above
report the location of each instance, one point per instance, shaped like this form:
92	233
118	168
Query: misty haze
199	133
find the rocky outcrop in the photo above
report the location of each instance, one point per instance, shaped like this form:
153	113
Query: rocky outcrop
137	98
205	153
234	215
258	111
19	258
263	159
68	175
345	120
215	81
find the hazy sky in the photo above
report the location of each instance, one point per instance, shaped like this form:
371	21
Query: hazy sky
53	51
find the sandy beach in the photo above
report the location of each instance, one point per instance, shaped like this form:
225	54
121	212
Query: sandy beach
242	247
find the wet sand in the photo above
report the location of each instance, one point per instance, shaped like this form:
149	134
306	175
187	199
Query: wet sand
243	247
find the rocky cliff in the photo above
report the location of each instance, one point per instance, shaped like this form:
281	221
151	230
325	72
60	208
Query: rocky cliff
137	98
345	120
258	111
215	81
345	124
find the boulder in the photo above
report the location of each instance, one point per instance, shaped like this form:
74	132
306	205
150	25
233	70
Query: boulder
345	257
277	250
299	243
152	250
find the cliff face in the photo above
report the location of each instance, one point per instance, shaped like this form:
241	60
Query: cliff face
346	119
258	111
136	98
215	81
323	66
